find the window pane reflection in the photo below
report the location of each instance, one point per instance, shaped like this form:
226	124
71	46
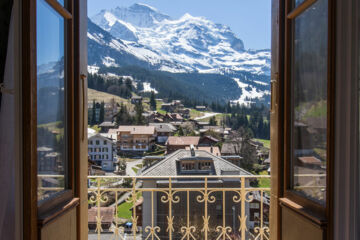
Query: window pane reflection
298	2
51	114
61	2
309	106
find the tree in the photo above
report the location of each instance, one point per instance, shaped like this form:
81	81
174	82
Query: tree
213	121
152	101
123	117
102	112
93	114
128	84
180	132
139	118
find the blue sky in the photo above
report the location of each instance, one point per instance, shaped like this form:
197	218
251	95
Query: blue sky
249	19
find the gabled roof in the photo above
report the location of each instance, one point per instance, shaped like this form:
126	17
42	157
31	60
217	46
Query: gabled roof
100	135
213	150
230	148
211	138
168	166
137	129
163	127
181	141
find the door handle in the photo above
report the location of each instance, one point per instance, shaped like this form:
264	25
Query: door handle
83	79
274	87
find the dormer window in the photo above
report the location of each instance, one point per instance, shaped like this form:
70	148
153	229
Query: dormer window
187	166
204	165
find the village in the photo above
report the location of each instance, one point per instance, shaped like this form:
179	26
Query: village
170	141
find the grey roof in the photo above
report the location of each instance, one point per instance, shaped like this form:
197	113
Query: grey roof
230	148
168	166
163	127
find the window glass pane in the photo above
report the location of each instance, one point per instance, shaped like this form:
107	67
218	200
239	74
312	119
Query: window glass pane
61	2
298	2
51	111
309	102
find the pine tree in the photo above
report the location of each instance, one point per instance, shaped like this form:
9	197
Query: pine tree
93	114
152	101
212	121
139	118
102	112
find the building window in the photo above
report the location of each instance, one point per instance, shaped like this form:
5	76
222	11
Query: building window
97	142
90	142
187	166
204	165
105	142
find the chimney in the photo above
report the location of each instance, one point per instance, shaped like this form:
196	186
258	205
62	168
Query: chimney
192	150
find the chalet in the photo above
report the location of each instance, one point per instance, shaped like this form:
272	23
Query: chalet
201	108
176	143
173	117
216	129
163	131
230	149
155	117
174	106
105	126
208	141
136	99
184	112
135	138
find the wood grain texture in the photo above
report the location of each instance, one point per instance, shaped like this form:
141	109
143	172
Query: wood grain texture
29	120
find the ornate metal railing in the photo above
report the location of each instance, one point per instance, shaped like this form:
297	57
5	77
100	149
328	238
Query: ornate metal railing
180	207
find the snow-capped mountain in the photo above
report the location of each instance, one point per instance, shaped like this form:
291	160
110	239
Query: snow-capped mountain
141	35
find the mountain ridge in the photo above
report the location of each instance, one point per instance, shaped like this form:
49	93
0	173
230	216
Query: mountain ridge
140	35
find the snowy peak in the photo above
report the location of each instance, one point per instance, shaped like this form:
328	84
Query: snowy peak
141	7
187	44
139	15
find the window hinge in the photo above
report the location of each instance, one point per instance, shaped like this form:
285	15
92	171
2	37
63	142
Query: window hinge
274	82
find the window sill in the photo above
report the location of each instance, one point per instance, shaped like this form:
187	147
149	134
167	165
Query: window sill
57	212
313	217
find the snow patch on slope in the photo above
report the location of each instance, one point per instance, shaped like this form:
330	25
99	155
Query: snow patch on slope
248	93
148	88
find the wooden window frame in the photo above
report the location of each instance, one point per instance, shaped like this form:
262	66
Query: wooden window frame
38	214
312	210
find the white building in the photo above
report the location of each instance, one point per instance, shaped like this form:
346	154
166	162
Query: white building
102	150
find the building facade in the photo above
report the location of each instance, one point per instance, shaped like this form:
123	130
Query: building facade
135	138
102	151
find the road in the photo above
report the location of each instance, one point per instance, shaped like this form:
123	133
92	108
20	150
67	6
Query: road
130	165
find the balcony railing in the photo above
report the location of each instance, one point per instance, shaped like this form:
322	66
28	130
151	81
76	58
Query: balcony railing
179	207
